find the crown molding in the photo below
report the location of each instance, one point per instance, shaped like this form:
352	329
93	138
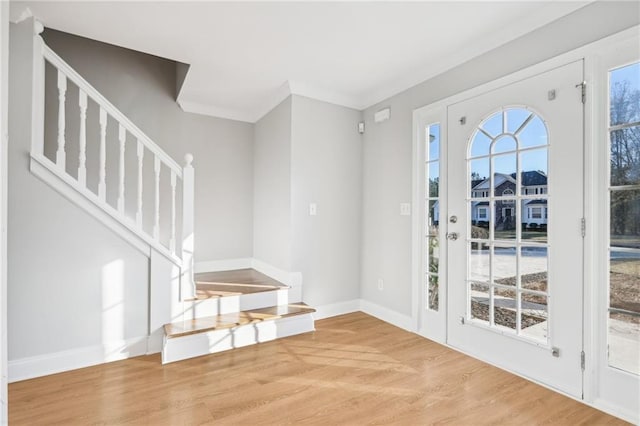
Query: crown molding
216	111
279	95
325	95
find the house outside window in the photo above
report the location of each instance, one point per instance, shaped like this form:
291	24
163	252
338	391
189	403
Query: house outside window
482	213
508	193
535	213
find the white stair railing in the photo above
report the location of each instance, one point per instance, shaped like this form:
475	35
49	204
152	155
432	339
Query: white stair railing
178	177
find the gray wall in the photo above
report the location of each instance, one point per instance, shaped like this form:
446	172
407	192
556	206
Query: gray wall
69	276
272	187
386	239
143	87
326	169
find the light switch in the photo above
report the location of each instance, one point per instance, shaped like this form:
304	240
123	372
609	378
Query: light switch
313	209
405	209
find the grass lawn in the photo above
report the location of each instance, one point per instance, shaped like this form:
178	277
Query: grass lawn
625	288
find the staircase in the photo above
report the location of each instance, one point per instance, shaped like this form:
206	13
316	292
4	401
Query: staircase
234	309
153	209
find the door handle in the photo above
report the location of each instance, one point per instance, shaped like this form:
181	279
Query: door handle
452	236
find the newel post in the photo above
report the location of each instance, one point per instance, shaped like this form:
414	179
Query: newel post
187	282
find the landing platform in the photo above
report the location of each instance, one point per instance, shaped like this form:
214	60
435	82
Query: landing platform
229	283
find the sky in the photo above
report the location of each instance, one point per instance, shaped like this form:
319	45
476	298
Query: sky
630	73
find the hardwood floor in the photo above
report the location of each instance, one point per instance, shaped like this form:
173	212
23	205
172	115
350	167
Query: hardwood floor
353	370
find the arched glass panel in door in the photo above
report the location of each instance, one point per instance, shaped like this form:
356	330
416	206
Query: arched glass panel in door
507	283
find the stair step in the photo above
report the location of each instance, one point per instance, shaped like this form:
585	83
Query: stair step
208	335
234	283
218	322
227	292
212	290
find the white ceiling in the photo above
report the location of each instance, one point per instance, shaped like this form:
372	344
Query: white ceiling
246	57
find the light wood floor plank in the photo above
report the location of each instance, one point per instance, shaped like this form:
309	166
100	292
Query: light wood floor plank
353	370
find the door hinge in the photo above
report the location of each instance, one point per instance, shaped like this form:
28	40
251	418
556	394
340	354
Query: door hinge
583	227
582	360
583	91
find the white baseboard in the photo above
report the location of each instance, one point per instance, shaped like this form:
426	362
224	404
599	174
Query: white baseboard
43	365
384	314
223	265
387	315
615	410
271	271
335	309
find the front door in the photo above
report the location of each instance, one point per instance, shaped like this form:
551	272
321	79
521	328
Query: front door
515	156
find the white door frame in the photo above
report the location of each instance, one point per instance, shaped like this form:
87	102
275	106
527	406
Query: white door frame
596	248
593	129
421	316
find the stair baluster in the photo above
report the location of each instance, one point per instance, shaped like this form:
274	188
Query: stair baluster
172	237
188	285
156	217
82	158
61	155
140	183
122	137
102	178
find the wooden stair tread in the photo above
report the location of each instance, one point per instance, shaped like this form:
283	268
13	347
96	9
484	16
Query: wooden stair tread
219	322
233	283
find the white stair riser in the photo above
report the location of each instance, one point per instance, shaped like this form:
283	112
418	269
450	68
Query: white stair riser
193	345
229	304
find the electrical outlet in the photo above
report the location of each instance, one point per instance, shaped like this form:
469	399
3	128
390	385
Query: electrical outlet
405	209
380	284
313	209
